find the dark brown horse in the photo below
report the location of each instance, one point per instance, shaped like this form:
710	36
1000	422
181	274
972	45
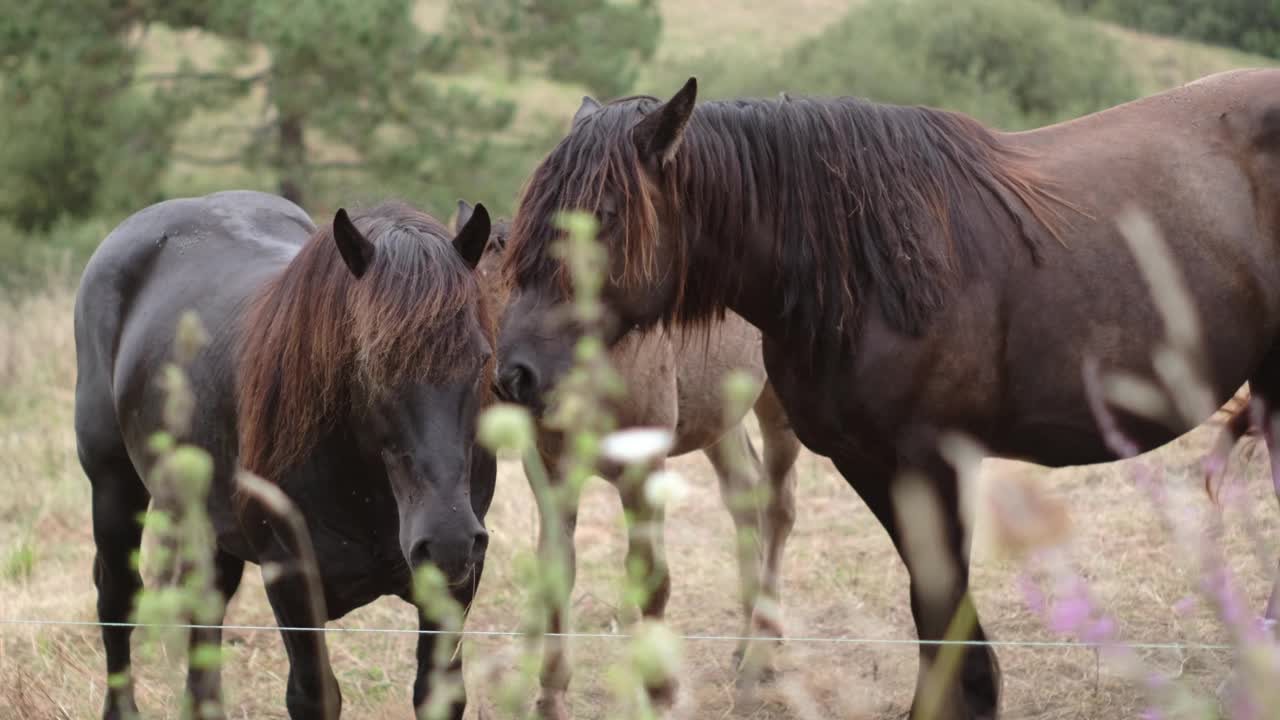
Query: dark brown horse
914	272
346	364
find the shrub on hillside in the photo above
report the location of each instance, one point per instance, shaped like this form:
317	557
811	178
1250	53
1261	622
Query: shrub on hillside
38	258
1249	25
1012	63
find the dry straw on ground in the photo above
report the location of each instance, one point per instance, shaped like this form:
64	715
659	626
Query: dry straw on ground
842	579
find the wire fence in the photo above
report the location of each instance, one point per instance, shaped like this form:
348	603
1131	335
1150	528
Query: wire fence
625	636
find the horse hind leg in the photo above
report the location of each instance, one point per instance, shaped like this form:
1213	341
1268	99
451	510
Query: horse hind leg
781	449
556	672
1265	390
646	567
119	498
1234	418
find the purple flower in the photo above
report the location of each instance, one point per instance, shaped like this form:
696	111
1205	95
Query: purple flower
1101	630
1069	613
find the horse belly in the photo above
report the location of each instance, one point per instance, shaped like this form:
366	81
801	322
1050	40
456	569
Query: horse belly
702	362
1103	313
897	392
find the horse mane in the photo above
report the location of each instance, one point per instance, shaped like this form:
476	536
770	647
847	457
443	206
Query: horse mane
868	205
317	341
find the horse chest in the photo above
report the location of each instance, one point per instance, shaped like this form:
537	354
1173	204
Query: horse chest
356	572
359	552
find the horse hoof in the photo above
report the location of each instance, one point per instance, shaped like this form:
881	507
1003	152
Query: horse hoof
959	712
754	664
552	706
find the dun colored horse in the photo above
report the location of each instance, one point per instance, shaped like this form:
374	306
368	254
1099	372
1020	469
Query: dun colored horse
673	382
915	273
346	364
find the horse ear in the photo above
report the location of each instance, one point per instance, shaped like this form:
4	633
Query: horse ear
473	236
357	251
464	214
588	106
657	136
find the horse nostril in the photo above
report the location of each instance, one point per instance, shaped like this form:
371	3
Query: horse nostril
479	545
519	381
420	554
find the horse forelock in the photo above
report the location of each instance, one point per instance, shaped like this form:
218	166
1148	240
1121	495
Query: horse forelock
318	342
596	158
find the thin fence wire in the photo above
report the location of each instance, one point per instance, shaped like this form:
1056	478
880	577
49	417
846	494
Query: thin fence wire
624	636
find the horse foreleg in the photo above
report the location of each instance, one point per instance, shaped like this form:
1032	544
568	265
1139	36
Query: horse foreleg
311	691
439	682
646	568
297	600
556	672
934	548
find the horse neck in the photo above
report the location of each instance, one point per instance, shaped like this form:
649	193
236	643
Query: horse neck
729	244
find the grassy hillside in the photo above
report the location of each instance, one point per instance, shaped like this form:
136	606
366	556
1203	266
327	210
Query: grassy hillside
1161	62
699	37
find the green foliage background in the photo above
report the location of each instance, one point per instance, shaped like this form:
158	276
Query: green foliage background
1249	25
1012	63
114	104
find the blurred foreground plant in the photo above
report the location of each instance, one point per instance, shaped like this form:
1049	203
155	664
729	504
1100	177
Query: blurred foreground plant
180	479
580	410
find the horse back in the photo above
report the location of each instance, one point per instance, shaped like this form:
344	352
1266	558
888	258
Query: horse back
206	254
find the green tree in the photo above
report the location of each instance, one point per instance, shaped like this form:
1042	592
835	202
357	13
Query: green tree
360	89
598	44
322	95
79	136
345	87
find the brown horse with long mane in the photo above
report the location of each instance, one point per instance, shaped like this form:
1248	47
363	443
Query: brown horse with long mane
914	272
346	364
673	381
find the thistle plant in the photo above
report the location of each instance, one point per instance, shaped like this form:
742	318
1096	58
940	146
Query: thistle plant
580	413
179	479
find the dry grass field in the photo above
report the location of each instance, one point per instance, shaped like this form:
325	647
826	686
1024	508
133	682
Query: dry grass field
842	579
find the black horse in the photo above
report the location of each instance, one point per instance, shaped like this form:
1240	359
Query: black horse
346	364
